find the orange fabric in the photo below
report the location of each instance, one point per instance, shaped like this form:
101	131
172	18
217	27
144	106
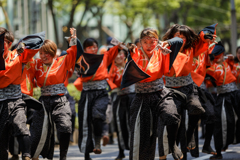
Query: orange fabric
115	74
78	84
59	71
69	75
235	67
13	64
154	66
199	67
182	65
217	71
27	84
102	72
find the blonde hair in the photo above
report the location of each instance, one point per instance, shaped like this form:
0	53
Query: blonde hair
150	32
49	47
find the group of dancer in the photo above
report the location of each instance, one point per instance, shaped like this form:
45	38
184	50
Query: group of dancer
143	91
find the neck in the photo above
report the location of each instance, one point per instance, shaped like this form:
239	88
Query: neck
120	64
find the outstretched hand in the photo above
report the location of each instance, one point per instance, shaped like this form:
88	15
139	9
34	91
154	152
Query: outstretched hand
20	48
73	32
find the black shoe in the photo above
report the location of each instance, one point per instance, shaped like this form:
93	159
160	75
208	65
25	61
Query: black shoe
97	148
208	150
120	157
216	157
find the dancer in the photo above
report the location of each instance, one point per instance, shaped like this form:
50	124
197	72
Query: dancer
207	101
10	91
121	106
179	77
50	74
227	104
94	98
152	99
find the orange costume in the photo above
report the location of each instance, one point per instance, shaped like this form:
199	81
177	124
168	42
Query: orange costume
94	100
222	73
199	67
227	104
150	100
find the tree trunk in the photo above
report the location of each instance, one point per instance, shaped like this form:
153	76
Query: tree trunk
50	4
6	17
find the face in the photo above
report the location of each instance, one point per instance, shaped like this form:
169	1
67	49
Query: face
7	45
177	34
46	58
238	54
220	60
92	49
119	60
148	44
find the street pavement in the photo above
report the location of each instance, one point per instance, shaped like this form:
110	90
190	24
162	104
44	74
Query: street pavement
110	152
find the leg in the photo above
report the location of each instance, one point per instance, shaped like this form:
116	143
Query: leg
64	143
62	117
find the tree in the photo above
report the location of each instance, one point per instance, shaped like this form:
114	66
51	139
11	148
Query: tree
3	3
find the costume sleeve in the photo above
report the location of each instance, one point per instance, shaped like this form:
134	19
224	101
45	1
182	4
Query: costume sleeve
211	71
201	46
111	54
230	63
27	55
71	57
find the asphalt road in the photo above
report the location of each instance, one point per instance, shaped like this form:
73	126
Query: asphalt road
111	151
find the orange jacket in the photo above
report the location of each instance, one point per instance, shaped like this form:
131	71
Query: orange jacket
221	73
235	67
154	66
182	65
115	74
78	84
59	71
13	63
199	67
27	84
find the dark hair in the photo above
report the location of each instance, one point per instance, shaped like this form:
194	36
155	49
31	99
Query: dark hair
235	58
49	47
125	52
191	37
89	42
137	41
237	48
8	35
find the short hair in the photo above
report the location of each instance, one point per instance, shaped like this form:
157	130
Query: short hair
49	47
149	32
8	35
136	41
89	42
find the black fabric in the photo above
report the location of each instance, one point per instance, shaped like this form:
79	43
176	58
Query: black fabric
124	102
89	64
153	105
96	109
231	103
59	112
209	31
25	145
33	41
12	122
64	144
73	110
176	44
2	61
132	73
218	49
